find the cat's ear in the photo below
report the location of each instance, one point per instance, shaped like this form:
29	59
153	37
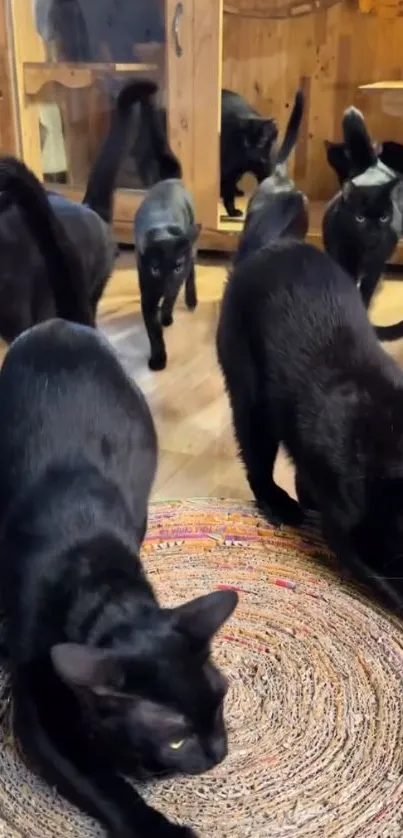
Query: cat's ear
201	618
83	666
195	232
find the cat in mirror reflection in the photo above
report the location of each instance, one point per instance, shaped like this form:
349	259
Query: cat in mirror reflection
247	139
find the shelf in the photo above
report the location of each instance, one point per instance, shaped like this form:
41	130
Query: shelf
383	86
75	76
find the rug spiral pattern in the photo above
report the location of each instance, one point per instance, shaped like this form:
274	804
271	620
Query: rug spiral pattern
314	709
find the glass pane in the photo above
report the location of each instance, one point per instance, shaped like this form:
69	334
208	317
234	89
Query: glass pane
81	53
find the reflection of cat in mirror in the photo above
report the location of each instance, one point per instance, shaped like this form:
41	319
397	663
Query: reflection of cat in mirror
360	225
246	142
277	208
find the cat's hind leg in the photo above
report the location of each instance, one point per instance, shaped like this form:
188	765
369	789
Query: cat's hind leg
258	442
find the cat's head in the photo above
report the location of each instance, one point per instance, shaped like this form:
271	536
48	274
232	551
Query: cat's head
168	255
258	135
339	160
369	209
156	701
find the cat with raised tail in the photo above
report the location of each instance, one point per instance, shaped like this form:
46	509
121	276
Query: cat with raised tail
56	255
361	224
277	208
107	684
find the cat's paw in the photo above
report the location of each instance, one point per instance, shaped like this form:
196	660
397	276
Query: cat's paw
286	512
235	213
158	361
191	304
167	320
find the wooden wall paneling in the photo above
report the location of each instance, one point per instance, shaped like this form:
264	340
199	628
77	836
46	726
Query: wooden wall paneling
207	47
330	50
8	139
28	46
179	84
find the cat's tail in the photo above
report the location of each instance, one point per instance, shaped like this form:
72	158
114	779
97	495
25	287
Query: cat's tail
160	151
393	332
292	130
358	141
102	180
64	266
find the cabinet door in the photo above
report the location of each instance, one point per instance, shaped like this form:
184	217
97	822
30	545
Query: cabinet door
72	58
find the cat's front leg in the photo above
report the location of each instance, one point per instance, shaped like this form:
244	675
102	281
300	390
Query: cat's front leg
228	196
368	285
190	290
158	356
168	305
66	762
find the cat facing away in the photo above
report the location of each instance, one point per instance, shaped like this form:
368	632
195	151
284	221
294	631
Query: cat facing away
107	684
247	139
30	217
165	233
277	208
303	368
360	226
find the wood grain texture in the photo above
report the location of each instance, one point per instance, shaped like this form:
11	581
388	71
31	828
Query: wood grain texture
8	139
330	53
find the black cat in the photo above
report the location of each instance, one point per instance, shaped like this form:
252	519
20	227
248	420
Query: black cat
106	683
360	230
277	208
340	159
246	143
303	367
28	269
165	234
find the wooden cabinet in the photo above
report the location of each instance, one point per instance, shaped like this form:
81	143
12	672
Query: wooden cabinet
263	49
69	67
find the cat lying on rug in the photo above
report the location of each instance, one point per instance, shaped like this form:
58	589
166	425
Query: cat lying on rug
29	267
106	683
277	208
303	368
361	224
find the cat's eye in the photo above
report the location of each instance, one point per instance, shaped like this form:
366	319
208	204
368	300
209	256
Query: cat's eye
176	746
155	271
360	219
384	218
179	266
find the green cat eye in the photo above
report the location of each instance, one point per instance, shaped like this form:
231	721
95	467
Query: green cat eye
176	746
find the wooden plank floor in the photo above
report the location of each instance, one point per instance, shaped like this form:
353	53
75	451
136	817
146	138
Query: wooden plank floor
190	408
189	405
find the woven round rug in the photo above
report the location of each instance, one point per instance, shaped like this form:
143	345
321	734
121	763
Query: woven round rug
314	710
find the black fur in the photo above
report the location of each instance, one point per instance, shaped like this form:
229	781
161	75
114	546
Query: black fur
277	208
359	225
303	367
165	235
32	277
246	142
105	682
154	158
36	294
